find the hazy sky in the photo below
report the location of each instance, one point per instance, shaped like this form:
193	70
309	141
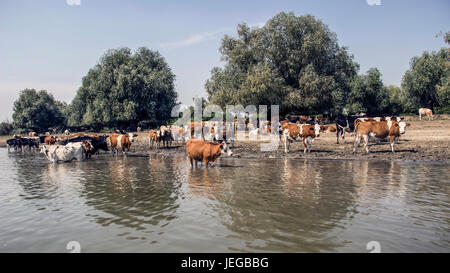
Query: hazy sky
51	45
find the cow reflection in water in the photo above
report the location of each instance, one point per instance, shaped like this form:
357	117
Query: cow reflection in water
378	179
300	178
205	183
272	210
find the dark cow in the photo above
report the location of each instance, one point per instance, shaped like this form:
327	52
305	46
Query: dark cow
97	143
344	124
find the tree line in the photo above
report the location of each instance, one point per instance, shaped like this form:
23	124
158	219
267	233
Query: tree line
292	61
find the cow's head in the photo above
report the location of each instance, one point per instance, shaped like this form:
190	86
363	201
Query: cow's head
402	126
317	130
87	145
225	149
132	136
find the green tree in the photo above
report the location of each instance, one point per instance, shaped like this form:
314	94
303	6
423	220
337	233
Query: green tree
426	82
368	94
6	128
395	99
36	111
123	89
292	61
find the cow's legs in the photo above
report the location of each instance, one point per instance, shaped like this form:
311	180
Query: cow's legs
420	116
285	142
306	146
366	142
337	134
357	141
190	161
392	143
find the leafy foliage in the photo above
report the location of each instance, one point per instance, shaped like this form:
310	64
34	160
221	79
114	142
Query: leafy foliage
36	111
292	61
368	94
124	88
6	128
426	83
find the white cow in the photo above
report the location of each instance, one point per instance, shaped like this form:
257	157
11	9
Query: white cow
69	152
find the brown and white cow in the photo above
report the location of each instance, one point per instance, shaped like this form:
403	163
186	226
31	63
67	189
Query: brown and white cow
427	112
32	134
121	141
153	137
199	150
365	119
296	132
379	130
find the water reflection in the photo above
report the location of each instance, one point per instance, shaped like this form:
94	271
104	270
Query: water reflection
133	193
238	205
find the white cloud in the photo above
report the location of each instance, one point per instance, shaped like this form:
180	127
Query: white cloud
202	37
195	39
73	2
373	2
258	25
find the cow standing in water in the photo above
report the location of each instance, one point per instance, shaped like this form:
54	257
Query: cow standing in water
153	137
391	129
427	112
199	150
122	142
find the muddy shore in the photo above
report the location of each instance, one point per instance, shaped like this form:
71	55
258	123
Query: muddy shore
423	141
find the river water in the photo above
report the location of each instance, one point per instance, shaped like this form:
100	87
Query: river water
160	204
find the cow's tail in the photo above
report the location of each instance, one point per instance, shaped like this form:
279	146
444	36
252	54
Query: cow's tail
357	122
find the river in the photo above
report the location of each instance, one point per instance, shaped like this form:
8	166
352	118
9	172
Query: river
160	204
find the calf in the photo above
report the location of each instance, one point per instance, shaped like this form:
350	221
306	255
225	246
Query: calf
199	150
426	111
304	132
391	129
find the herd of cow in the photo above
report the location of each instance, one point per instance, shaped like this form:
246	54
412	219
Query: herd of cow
206	141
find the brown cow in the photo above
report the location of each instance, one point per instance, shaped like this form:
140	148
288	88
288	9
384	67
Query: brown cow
199	150
327	128
304	132
120	141
379	130
153	137
49	140
426	111
32	134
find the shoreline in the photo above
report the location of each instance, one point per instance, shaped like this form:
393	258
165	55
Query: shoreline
424	141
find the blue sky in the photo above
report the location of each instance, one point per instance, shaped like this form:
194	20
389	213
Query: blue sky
51	45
